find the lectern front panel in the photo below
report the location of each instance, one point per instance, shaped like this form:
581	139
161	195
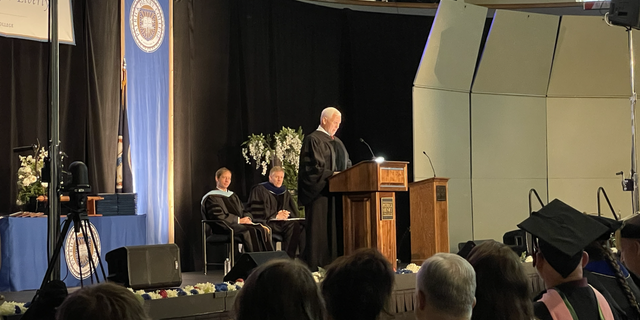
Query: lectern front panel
357	221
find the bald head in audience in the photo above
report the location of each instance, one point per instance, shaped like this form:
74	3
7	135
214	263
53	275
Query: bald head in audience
445	288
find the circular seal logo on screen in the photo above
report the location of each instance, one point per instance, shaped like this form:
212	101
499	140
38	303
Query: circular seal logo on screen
76	254
147	24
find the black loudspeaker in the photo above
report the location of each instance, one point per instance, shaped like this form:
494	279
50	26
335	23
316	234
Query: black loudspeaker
464	248
625	13
516	240
249	261
145	267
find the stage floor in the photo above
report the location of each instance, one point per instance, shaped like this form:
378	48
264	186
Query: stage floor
188	279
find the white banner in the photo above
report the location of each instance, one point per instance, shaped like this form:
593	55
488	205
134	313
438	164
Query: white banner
29	19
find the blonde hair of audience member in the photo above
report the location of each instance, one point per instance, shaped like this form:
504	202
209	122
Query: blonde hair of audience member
445	288
280	289
104	301
358	286
330	120
503	295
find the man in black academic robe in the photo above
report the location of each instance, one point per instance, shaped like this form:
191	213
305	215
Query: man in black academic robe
321	156
222	204
272	202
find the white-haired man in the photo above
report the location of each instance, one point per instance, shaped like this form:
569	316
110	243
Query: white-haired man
322	154
445	288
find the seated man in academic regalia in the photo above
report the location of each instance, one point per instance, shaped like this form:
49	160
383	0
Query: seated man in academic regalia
271	201
560	235
225	205
606	274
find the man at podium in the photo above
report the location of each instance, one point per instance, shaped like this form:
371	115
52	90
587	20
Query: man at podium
322	155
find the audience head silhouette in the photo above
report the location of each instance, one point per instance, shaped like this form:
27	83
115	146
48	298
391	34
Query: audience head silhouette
280	289
104	301
445	288
503	295
562	233
630	244
358	286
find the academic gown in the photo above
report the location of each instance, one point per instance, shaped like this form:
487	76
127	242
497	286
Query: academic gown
227	206
581	297
601	276
265	201
321	156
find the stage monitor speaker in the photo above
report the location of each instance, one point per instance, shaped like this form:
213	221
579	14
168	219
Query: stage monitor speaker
145	267
249	261
516	240
625	13
464	248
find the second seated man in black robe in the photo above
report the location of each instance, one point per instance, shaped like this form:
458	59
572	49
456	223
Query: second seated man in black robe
322	155
272	202
225	205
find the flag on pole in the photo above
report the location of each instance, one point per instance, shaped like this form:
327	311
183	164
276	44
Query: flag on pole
124	179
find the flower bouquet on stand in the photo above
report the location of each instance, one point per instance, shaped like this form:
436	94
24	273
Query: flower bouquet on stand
279	149
30	184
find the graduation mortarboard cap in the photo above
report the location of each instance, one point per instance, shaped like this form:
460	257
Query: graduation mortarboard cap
611	224
563	232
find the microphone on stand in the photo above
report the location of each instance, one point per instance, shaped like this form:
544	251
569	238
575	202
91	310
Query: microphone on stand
373	156
434	170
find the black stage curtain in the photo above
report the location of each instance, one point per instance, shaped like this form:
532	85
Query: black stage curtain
253	66
89	97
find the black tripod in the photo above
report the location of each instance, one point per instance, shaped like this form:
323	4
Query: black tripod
78	216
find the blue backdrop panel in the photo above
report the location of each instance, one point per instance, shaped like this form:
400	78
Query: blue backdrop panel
24	248
147	61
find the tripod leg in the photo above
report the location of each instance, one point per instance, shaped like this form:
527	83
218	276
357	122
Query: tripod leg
54	257
86	230
79	258
95	246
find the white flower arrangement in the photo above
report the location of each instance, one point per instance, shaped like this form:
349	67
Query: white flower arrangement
283	146
29	180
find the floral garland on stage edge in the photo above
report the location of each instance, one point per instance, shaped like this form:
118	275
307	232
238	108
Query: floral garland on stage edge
319	275
11	308
200	288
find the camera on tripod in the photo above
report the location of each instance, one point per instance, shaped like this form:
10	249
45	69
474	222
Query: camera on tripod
74	182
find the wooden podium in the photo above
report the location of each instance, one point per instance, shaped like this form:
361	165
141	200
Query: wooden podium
369	205
429	218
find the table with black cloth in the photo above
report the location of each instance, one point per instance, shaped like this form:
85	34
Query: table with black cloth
24	247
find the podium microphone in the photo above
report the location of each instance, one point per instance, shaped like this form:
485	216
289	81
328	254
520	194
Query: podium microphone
434	170
373	156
